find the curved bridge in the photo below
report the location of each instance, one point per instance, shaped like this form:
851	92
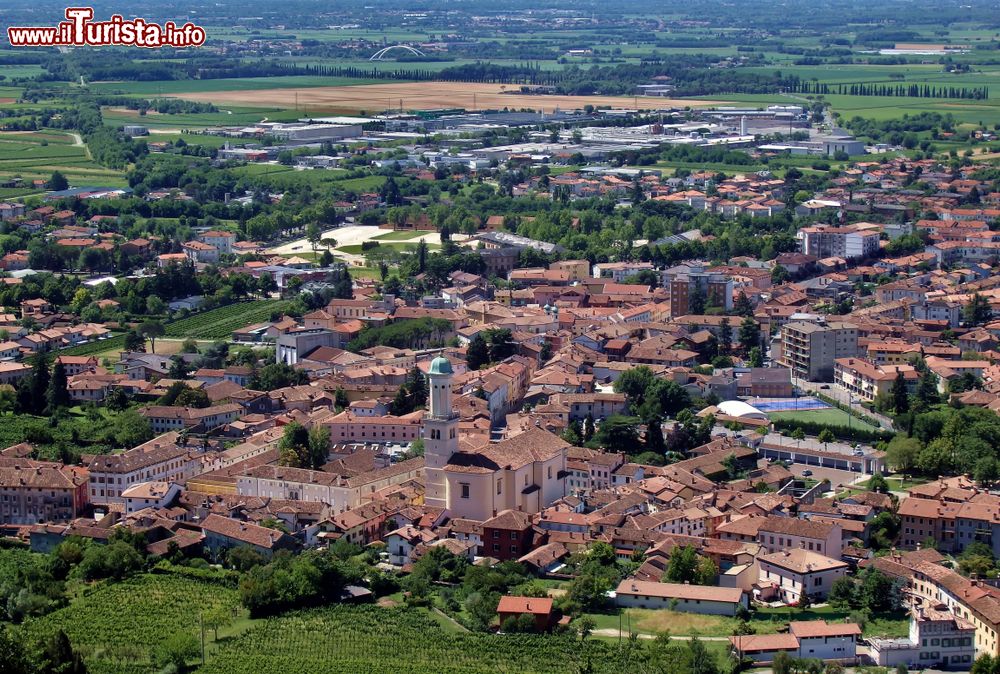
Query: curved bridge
380	55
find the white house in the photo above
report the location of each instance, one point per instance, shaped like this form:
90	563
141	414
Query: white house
680	597
814	639
150	495
401	543
826	641
222	241
786	575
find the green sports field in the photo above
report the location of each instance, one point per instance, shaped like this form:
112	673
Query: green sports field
831	417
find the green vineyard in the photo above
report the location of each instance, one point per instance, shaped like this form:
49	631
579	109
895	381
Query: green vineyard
117	626
221	322
372	640
89	349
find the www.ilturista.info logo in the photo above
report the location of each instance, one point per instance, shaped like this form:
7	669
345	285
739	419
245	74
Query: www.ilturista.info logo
80	30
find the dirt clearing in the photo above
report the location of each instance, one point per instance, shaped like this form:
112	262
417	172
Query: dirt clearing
372	98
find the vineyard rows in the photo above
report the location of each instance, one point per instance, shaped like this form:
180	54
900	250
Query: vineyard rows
117	626
221	322
372	640
89	349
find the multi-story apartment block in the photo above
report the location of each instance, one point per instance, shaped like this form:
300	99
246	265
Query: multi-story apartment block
165	418
161	459
846	242
40	491
686	281
867	381
810	348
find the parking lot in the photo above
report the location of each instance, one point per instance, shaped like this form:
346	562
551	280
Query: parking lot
836	477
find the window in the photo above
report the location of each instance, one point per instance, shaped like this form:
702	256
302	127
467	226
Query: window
513	549
496	547
513	535
550	472
496	533
817	582
499	485
465	490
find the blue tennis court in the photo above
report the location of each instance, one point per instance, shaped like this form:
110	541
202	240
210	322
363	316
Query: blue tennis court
790	404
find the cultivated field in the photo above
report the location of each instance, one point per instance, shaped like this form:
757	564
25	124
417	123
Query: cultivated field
422	96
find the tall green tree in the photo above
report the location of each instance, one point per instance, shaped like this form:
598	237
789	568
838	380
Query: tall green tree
58	657
697	301
319	446
293	447
927	394
900	394
477	354
618	434
57	394
682	564
725	337
654	436
742	306
749	334
977	311
38	386
151	330
58	182
702	661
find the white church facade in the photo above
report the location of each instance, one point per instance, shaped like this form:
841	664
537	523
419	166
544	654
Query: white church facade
526	472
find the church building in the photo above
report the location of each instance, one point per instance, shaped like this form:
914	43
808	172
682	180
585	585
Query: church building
526	472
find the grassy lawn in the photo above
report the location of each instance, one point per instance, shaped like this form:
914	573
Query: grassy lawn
355	249
897	482
768	620
402	235
765	620
831	417
446	623
364	272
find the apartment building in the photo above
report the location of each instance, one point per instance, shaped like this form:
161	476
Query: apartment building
386	429
619	271
868	381
40	491
165	418
848	242
337	491
686	281
810	348
778	534
161	459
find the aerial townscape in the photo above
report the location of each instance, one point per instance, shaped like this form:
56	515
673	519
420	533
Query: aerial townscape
386	337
